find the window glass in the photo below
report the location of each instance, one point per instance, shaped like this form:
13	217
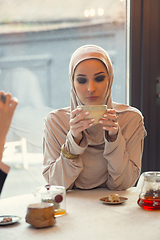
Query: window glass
37	39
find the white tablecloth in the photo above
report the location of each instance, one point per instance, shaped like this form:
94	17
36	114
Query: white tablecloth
86	218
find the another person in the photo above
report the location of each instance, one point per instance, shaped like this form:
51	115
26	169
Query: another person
7	108
78	154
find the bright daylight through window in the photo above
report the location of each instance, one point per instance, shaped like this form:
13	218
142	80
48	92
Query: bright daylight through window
37	39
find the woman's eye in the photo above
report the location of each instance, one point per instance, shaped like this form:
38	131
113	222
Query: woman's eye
82	80
99	78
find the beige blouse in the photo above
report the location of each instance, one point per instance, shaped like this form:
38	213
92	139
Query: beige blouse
116	165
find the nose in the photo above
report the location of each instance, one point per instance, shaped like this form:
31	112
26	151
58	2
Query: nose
91	86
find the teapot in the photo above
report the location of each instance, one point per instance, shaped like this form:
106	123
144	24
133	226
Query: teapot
149	197
53	194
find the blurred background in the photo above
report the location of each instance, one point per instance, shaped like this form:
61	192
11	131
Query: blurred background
37	39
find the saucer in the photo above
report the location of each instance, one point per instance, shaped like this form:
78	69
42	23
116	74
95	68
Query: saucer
106	201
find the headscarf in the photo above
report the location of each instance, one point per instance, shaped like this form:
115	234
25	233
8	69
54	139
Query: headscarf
90	52
95	134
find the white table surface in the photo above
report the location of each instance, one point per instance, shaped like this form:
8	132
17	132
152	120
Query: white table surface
86	218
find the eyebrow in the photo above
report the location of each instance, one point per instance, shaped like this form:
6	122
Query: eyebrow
83	75
80	75
98	73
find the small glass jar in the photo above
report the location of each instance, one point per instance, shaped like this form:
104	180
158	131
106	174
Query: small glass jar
53	194
149	198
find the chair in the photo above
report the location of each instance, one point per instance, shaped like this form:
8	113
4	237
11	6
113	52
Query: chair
23	144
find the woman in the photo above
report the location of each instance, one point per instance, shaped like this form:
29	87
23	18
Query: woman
7	108
78	153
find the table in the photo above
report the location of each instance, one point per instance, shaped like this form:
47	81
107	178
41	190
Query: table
86	218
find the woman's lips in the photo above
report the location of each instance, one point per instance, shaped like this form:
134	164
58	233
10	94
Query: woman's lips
92	98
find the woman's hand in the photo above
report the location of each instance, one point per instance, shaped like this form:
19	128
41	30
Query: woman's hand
79	124
110	124
7	107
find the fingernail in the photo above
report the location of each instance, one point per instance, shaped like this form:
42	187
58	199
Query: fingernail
86	113
105	115
92	120
100	121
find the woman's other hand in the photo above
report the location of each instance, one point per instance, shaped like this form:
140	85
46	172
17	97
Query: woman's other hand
110	124
7	107
79	124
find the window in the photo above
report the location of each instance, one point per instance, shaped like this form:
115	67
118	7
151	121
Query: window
37	39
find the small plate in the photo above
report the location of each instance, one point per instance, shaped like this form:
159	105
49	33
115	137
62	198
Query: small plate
15	219
106	201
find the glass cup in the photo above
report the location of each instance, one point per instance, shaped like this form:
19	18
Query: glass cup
149	198
95	111
53	194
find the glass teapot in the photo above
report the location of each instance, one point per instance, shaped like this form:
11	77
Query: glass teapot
149	198
53	194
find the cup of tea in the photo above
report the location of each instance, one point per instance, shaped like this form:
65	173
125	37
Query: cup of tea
53	194
40	215
95	111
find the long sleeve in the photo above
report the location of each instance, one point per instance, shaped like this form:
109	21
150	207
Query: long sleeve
58	170
124	156
4	169
116	164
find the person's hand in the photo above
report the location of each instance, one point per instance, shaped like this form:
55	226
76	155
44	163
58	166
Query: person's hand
110	124
79	124
7	108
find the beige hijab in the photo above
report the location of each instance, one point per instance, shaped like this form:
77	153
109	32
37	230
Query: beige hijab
95	134
90	52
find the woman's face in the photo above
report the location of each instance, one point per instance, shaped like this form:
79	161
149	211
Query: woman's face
91	81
